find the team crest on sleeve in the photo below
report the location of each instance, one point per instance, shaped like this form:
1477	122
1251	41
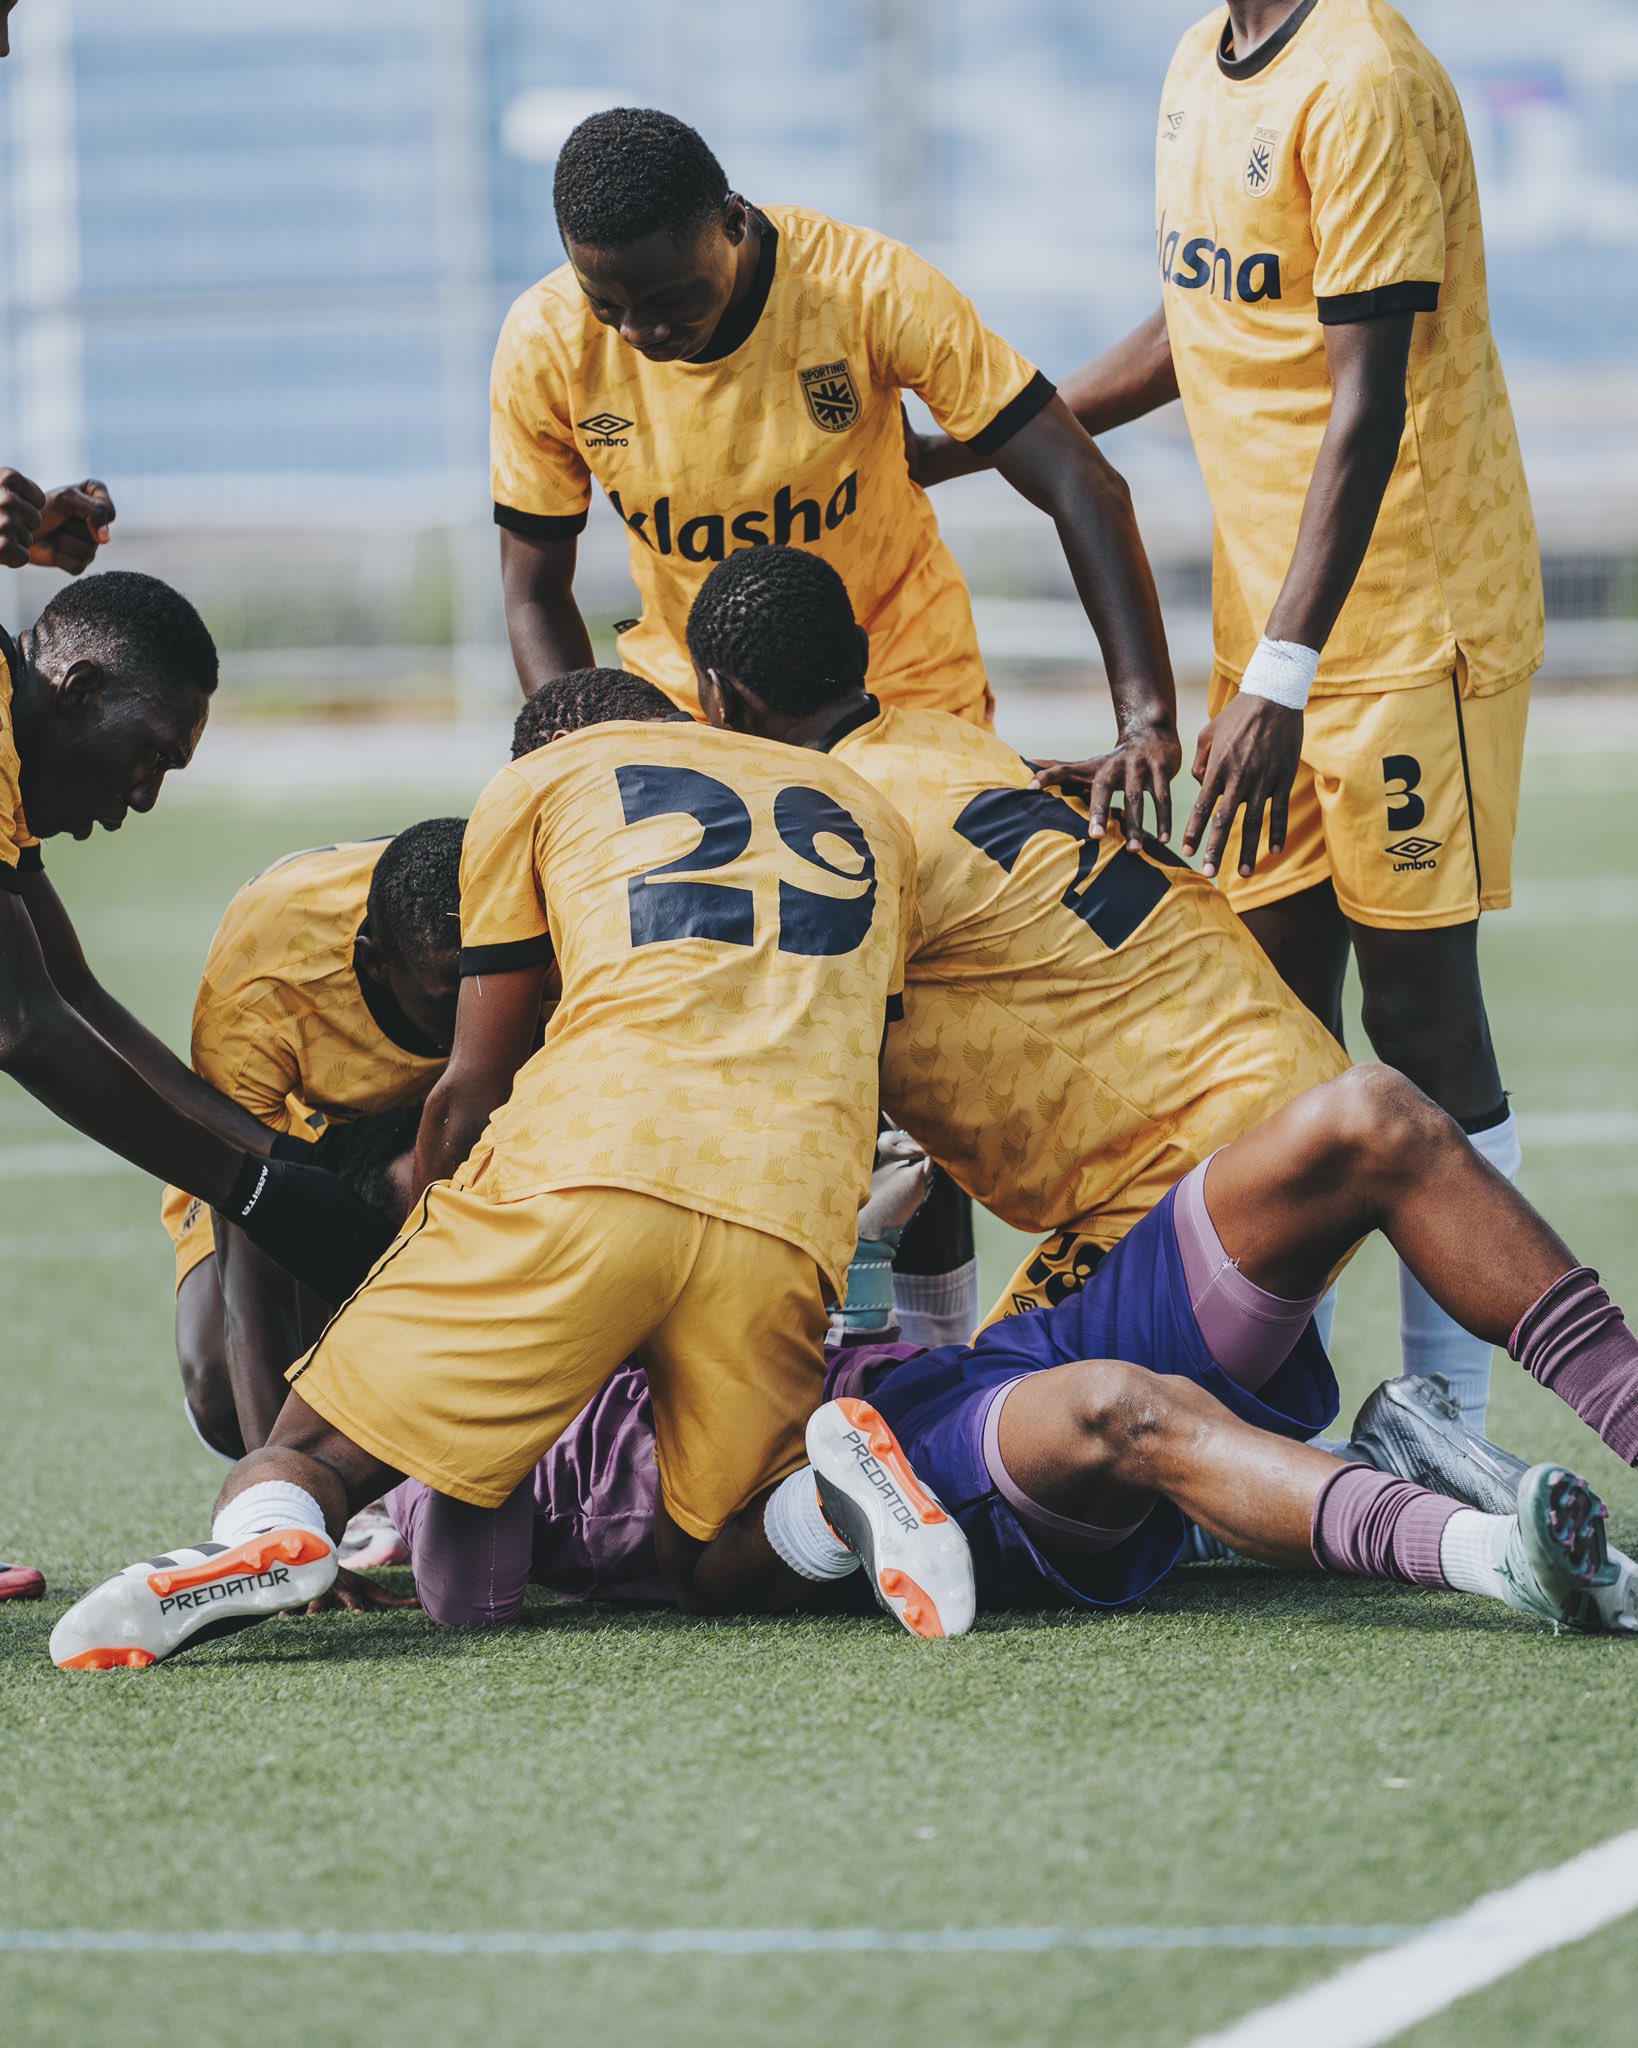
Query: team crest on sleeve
1260	164
832	397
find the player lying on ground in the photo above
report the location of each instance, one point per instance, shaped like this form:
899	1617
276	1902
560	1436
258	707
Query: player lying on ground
1072	1444
676	1174
1123	1022
328	993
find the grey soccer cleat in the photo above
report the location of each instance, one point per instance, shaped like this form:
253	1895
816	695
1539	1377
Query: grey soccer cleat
1556	1561
1413	1429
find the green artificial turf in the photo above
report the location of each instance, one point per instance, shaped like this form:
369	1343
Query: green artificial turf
1247	1750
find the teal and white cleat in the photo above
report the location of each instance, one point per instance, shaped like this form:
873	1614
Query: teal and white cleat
151	1610
1555	1558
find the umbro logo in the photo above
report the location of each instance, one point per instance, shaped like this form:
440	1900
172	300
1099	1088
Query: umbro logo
605	430
1411	855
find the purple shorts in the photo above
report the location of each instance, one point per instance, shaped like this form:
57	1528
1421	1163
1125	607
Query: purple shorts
1135	1307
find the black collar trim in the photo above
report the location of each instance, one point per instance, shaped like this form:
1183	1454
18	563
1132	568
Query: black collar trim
850	721
386	1014
735	328
1265	52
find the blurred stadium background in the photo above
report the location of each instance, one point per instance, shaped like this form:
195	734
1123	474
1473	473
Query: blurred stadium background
253	259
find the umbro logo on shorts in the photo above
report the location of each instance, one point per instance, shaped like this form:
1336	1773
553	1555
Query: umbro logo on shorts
605	430
1411	855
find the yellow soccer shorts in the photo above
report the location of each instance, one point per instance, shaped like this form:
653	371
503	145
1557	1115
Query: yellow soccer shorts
484	1330
1406	803
192	1233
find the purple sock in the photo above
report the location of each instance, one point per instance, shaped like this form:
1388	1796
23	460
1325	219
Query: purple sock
1371	1526
1576	1341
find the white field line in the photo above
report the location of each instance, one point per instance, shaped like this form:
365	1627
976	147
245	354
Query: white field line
1376	2000
683	1941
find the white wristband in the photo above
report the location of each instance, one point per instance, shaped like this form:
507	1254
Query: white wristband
1282	671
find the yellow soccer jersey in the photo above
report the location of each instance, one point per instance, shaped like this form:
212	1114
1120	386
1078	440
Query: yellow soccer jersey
1079	1020
19	849
730	920
790	433
283	1018
1328	177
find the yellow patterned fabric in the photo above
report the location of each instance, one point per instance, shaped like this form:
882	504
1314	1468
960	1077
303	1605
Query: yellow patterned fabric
15	837
1328	177
1082	1025
730	920
794	436
281	1012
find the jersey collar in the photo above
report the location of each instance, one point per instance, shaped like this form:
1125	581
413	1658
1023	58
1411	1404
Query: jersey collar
850	721
1265	52
735	327
385	1013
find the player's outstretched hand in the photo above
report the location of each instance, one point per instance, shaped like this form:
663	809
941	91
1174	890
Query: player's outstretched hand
74	523
352	1593
22	506
1247	758
1141	764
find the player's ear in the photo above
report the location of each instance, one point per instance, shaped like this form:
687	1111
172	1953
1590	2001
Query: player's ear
80	685
864	652
736	218
367	952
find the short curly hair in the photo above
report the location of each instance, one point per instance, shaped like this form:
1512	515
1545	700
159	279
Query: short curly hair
361	1153
633	171
137	627
586	696
779	622
414	904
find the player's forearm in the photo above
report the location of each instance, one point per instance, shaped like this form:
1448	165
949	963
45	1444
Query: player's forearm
179	1085
1356	461
1133	378
543	622
47	1047
451	1125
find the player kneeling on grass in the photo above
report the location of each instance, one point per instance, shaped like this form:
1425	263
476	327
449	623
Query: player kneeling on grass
1073	1444
676	1174
328	994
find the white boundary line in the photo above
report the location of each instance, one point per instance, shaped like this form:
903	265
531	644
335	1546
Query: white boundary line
685	1941
1372	2001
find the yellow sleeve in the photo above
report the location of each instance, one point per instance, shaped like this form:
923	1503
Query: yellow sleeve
503	901
540	486
926	337
238	1052
1376	209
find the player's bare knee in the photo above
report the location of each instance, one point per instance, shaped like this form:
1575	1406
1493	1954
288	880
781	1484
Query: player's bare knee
1120	1411
1373	1123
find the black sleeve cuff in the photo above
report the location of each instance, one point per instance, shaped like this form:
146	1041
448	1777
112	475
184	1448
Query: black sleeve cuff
1410	297
1035	397
541	525
507	957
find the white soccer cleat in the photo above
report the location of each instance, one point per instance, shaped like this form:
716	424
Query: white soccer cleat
914	1555
153	1609
370	1542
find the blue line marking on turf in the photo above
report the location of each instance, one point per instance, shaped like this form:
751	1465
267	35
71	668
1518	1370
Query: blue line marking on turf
681	1941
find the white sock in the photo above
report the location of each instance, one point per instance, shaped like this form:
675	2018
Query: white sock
270	1504
1467	1553
801	1537
1428	1339
937	1308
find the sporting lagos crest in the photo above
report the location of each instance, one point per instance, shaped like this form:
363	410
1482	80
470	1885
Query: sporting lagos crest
832	397
1260	164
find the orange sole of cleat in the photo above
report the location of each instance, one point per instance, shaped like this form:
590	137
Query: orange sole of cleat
111	1660
282	1546
884	1447
917	1612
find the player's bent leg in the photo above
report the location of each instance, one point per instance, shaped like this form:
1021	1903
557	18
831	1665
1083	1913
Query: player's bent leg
201	1353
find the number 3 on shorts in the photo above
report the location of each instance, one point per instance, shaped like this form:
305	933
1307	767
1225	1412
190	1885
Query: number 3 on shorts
665	907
